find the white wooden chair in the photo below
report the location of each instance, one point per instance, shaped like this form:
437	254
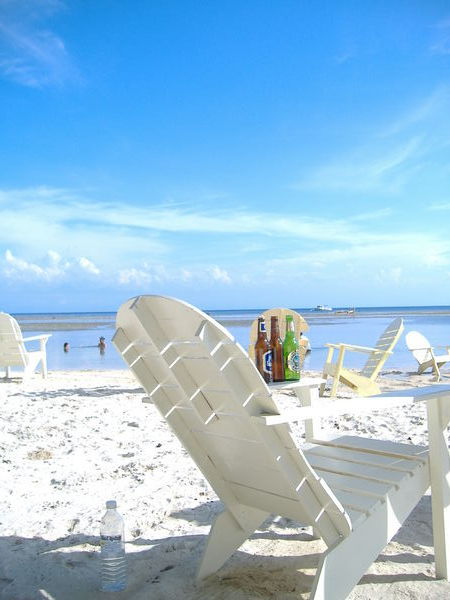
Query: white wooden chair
423	352
355	492
300	326
363	382
13	352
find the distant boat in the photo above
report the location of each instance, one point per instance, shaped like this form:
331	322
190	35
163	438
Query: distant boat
323	307
346	311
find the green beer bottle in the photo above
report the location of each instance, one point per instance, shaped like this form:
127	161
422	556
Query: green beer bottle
290	352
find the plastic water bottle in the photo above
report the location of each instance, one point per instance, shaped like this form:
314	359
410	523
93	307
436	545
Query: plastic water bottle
112	554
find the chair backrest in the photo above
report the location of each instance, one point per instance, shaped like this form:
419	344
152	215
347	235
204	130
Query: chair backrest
419	346
300	325
210	393
386	343
12	349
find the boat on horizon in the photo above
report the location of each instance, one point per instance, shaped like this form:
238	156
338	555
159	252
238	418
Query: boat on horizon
323	307
345	311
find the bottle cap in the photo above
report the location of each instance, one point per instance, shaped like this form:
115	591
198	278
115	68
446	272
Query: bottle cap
111	504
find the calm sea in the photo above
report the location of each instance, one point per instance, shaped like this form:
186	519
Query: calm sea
82	332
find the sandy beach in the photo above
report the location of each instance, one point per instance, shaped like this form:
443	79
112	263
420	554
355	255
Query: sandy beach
79	438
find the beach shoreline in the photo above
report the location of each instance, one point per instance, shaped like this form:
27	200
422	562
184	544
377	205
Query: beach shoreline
79	438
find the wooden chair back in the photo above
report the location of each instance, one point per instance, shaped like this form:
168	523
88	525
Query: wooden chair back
419	346
12	349
384	346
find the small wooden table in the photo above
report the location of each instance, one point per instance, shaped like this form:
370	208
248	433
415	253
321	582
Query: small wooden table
307	392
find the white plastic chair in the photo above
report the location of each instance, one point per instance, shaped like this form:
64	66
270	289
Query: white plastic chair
13	352
423	352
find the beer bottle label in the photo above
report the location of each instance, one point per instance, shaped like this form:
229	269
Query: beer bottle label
267	362
293	362
262	326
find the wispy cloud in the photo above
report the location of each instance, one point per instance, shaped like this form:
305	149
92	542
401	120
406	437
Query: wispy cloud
441	46
32	216
53	234
31	54
435	106
393	156
367	170
439	206
344	57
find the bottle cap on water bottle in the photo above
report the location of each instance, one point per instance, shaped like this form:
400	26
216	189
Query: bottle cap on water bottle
111	504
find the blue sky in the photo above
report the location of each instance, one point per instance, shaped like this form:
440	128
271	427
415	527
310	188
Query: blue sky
233	154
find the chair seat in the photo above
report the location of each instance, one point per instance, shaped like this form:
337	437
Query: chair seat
364	474
363	382
423	352
353	380
441	359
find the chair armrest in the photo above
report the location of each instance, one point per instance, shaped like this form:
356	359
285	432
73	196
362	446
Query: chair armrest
447	348
332	407
356	348
42	338
359	405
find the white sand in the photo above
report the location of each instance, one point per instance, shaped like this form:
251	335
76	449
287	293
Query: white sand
72	442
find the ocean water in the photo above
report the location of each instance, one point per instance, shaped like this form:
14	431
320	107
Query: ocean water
82	332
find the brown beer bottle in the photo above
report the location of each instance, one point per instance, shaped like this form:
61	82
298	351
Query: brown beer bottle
276	345
263	353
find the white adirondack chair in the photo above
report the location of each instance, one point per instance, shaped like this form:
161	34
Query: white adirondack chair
13	352
423	352
355	492
363	383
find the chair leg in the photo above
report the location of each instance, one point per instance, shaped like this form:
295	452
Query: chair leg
322	385
345	562
337	372
335	385
225	536
44	366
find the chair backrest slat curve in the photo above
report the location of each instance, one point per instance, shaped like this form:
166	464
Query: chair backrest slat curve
419	346
385	344
12	349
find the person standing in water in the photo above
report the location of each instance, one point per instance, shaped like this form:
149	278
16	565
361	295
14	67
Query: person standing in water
101	345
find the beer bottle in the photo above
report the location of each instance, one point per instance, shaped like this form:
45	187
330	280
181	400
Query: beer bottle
290	352
276	345
263	353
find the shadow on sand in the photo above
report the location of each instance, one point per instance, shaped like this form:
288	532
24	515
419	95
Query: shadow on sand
164	568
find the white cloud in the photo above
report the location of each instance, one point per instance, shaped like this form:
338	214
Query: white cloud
435	105
412	253
134	276
439	206
391	275
219	274
20	266
88	266
441	46
366	170
32	216
173	244
409	144
52	267
32	55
